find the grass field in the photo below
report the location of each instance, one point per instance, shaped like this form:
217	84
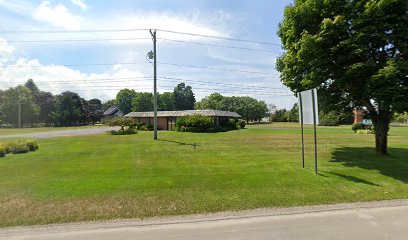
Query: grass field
108	177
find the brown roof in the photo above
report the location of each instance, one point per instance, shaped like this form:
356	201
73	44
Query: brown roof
209	112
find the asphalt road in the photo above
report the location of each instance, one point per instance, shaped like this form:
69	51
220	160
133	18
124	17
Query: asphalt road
61	133
378	220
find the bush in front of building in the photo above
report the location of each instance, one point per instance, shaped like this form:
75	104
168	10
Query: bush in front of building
230	124
127	126
195	123
242	124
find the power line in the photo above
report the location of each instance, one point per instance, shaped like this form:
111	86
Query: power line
76	65
91	79
218	69
77	40
221	46
133	79
75	31
222	84
222	38
195	90
137	29
87	82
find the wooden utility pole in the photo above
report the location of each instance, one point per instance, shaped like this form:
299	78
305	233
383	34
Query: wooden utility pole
153	33
19	108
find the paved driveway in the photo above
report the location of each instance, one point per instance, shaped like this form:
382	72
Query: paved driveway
62	133
361	221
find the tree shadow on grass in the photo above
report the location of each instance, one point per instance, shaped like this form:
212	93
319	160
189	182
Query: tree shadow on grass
394	165
354	179
181	143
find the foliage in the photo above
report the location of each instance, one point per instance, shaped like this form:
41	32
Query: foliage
279	116
3	150
329	119
10	105
357	126
355	52
230	124
249	108
94	111
127	126
142	102
241	124
17	147
32	145
195	123
401	117
365	131
184	98
68	109
165	102
124	100
46	103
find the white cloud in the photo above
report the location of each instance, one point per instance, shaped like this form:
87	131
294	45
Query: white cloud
6	50
80	3
204	25
58	16
57	78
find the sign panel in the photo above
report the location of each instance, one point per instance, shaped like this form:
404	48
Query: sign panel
306	100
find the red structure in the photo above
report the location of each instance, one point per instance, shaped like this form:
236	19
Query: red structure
358	115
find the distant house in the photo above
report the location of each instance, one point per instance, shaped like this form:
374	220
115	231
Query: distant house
166	120
113	112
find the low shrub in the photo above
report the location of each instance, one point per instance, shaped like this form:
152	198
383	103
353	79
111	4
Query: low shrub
127	126
230	124
2	150
242	123
357	126
127	131
195	123
32	145
365	131
19	147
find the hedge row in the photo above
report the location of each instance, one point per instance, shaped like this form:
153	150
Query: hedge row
200	123
18	147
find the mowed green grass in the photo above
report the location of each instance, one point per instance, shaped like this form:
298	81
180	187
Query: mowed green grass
15	131
103	177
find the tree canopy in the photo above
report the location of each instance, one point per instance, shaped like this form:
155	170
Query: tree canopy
355	52
248	107
184	98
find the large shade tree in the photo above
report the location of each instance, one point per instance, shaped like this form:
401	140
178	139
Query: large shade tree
353	51
124	100
184	98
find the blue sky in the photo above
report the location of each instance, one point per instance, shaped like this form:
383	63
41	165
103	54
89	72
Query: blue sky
58	65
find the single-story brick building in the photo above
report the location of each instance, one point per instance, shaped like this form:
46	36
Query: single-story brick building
166	120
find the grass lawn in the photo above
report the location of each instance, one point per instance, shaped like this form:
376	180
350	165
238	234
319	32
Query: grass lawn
107	177
14	131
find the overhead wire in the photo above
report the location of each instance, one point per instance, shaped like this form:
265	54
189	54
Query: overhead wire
217	45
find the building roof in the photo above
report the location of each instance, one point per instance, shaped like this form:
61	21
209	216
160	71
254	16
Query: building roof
208	112
113	111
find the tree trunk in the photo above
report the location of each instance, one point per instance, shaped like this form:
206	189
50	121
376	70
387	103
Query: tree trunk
381	126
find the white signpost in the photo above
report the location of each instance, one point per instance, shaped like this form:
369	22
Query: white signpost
308	114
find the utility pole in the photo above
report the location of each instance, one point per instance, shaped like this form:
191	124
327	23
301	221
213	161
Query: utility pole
153	33
19	108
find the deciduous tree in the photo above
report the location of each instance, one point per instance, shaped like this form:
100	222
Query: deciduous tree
353	51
